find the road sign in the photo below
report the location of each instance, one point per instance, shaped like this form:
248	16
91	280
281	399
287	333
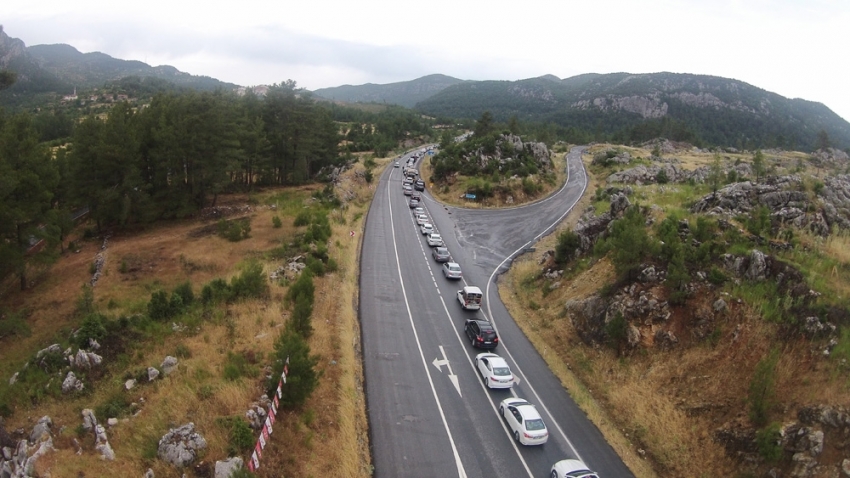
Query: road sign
469	196
351	233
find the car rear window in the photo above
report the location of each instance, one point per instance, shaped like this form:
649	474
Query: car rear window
488	334
536	424
501	371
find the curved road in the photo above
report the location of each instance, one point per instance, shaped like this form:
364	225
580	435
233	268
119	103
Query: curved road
430	413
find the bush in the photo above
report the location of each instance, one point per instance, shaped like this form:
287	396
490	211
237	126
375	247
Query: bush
116	406
617	330
302	286
716	276
159	308
235	230
215	291
93	327
185	292
241	436
251	283
568	243
14	324
276	223
237	366
768	443
661	177
368	176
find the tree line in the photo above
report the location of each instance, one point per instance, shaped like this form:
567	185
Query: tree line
168	159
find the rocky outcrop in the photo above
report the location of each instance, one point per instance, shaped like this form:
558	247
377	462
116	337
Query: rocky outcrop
180	446
508	148
169	365
226	468
590	228
84	360
650	174
72	384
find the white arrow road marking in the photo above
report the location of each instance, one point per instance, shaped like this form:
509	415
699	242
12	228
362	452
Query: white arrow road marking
439	363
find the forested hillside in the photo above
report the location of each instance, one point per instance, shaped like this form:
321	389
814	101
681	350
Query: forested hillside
626	108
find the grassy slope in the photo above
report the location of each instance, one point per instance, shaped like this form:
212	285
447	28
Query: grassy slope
162	257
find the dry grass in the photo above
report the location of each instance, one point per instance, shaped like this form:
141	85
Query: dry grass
453	194
328	436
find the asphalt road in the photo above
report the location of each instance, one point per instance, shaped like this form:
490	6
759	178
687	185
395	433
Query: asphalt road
430	413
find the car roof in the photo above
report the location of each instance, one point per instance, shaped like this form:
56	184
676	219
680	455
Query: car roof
494	359
482	323
450	264
526	409
471	289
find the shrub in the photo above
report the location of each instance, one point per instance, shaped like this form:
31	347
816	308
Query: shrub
185	292
236	366
116	406
302	286
568	243
617	330
93	327
716	276
85	303
235	230
159	308
276	223
768	443
250	283
14	324
368	176
661	177
241	435
215	291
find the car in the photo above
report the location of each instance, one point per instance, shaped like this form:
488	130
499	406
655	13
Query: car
494	370
441	254
395	165
413	203
419	185
470	297
524	420
422	219
407	181
435	240
426	228
572	469
481	333
451	270
416	195
419	210
408	190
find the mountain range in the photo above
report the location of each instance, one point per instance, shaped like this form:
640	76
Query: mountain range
622	107
625	107
61	69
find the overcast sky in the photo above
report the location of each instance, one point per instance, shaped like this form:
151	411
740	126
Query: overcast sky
796	48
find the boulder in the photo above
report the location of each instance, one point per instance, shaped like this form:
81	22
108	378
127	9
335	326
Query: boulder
106	452
72	383
226	468
129	384
89	420
13	378
53	349
153	373
719	305
85	359
112	422
149	474
757	269
41	429
180	446
168	365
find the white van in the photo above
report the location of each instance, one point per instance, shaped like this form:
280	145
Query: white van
470	298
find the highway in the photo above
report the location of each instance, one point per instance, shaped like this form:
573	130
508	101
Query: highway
430	413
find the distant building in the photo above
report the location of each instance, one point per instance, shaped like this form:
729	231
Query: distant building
71	97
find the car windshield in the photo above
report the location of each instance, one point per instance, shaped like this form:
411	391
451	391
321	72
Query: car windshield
501	371
435	237
535	424
580	474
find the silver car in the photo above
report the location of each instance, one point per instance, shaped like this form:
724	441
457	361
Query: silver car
451	270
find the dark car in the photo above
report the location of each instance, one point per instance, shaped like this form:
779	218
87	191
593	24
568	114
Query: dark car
414	203
416	195
481	333
419	185
441	254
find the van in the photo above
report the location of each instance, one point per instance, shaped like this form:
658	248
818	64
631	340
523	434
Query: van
470	297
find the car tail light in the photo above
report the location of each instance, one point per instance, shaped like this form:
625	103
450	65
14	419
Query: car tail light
494	379
496	339
479	339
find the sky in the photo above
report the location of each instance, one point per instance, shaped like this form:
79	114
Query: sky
796	48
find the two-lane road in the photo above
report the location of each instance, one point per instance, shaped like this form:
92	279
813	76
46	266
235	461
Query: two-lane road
430	413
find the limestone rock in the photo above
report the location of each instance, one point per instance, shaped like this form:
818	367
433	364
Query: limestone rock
85	359
226	468
106	452
89	420
180	446
129	384
153	373
72	383
41	429
168	365
149	474
112	422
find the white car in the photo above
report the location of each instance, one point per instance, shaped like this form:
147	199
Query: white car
408	190
494	370
426	228
524	421
421	219
435	240
396	164
572	469
419	210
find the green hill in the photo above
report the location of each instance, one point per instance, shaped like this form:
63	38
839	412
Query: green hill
404	93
